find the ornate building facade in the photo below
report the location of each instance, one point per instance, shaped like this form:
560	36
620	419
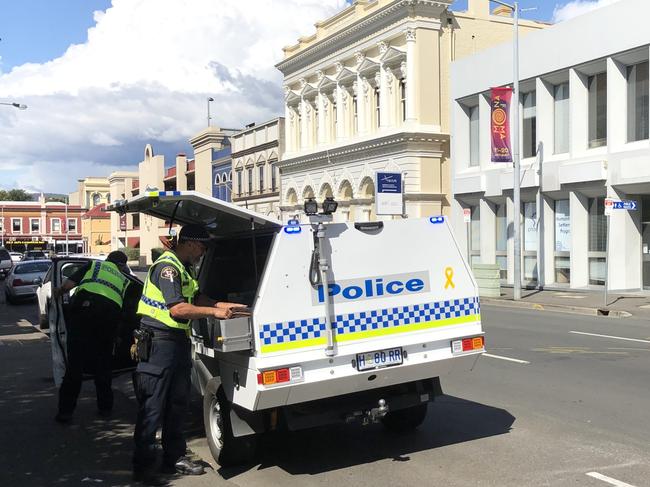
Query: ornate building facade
368	92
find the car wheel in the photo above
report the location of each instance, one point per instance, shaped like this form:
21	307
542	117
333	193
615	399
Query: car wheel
404	420
226	449
9	299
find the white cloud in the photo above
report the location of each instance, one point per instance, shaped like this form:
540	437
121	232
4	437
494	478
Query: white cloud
578	7
143	77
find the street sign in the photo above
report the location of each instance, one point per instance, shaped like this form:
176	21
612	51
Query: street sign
389	196
467	215
612	204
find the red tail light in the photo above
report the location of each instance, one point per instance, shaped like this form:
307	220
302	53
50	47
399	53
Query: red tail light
278	376
20	282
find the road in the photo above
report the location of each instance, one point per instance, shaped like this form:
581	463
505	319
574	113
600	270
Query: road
572	410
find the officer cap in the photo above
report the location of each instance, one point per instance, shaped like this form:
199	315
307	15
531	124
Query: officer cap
194	232
117	257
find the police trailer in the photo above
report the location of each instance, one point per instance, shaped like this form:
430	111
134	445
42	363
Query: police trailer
350	321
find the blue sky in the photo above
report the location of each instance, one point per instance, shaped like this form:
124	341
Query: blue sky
102	78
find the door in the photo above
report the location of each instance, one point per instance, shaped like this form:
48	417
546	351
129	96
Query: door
59	309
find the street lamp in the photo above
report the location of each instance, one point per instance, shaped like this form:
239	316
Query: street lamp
515	152
19	106
208	102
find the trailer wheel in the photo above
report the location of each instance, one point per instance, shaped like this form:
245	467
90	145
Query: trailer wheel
226	449
407	419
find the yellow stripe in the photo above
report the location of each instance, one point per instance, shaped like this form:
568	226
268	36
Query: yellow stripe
427	325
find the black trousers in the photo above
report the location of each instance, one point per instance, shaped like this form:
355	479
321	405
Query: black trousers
90	336
162	387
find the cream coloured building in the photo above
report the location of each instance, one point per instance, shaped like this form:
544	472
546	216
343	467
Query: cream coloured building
91	191
256	151
369	91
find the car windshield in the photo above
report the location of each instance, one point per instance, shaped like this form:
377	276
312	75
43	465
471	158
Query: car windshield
32	267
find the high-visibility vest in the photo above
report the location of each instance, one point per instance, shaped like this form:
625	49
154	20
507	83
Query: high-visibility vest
152	303
105	279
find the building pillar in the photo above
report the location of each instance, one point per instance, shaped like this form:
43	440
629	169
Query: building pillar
624	257
304	124
411	115
488	226
288	128
321	119
340	111
579	114
578	207
616	104
546	246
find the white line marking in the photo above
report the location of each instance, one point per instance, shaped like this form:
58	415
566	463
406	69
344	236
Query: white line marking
516	360
610	336
609	480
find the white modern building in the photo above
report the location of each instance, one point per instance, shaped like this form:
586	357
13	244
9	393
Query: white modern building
368	92
584	137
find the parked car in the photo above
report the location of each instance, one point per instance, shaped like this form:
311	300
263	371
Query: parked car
16	256
67	267
25	278
5	262
35	255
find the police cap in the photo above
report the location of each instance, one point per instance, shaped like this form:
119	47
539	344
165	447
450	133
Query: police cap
194	232
117	257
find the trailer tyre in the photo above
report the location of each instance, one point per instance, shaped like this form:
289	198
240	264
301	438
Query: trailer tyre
226	449
404	420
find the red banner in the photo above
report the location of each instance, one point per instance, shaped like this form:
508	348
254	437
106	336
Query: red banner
500	124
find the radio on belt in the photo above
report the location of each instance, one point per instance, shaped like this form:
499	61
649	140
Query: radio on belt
359	321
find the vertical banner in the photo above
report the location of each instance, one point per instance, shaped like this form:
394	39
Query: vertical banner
389	198
500	124
123	222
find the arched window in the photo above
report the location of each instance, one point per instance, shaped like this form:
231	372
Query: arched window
96	199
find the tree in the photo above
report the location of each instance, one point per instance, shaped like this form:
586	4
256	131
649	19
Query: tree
15	195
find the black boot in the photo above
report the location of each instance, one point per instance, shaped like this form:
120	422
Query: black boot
184	466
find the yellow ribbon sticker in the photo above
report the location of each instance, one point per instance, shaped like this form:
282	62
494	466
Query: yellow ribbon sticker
449	274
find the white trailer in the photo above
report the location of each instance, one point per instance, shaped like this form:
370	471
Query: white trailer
399	310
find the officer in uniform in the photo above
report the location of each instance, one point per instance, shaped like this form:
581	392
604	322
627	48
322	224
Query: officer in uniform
92	325
170	300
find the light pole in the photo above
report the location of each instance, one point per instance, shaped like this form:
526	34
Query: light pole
515	151
19	106
208	102
2	219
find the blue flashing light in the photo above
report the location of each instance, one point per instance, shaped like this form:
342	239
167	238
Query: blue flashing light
437	219
293	223
290	229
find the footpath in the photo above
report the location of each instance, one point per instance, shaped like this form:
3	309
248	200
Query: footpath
585	302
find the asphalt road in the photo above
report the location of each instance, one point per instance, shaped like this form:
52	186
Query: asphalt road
572	405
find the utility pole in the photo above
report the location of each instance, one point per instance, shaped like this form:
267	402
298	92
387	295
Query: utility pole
67	251
515	149
208	102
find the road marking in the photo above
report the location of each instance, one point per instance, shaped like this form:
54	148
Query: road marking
516	360
610	336
609	480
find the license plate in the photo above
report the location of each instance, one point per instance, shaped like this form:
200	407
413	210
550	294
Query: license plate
379	358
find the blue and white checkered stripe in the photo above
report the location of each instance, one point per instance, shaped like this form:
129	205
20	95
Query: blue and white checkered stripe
295	330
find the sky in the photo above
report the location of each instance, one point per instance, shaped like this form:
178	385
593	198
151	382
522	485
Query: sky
102	78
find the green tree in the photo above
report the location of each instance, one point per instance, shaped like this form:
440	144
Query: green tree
15	195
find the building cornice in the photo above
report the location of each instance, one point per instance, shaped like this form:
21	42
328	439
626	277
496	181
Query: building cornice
434	144
364	27
257	148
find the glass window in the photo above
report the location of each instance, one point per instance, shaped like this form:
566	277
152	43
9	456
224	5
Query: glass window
561	118
136	220
2	225
72	225
530	226
96	199
261	178
250	181
473	137
502	228
16	225
597	237
334	119
530	124
273	178
637	102
475	229
597	86
402	97
35	225
377	107
316	123
562	242
355	115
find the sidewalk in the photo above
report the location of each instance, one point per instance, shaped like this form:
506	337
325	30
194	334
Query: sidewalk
620	305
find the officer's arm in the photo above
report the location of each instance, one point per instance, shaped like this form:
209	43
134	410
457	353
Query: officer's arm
67	285
203	300
187	311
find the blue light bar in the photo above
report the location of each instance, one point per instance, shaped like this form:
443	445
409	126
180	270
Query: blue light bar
293	223
437	219
292	229
156	194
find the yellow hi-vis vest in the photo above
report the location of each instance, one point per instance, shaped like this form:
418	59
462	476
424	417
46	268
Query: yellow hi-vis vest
152	303
105	279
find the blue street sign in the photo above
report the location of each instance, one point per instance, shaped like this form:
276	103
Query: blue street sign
624	205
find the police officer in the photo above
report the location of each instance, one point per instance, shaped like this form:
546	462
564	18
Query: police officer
169	302
92	327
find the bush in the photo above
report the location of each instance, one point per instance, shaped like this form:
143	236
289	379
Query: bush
131	253
156	252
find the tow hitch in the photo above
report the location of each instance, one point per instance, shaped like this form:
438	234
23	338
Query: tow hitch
367	417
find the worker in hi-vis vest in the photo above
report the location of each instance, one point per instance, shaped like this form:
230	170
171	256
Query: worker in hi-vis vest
91	325
170	301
